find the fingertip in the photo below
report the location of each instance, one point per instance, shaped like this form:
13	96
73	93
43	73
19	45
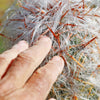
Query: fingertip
23	42
46	39
52	99
60	63
21	46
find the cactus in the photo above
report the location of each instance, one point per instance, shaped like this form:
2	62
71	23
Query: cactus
74	28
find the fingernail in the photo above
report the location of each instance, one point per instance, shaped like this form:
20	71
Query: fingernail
52	99
56	58
59	61
22	42
45	38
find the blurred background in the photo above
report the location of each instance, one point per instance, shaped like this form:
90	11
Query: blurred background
4	5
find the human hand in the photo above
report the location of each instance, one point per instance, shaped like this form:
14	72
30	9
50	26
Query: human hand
19	78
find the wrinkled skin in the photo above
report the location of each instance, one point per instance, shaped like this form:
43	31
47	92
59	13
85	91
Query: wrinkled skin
19	79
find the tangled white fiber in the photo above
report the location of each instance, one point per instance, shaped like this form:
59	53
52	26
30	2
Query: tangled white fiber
74	27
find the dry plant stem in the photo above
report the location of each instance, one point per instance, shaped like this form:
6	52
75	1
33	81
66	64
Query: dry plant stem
75	60
84	45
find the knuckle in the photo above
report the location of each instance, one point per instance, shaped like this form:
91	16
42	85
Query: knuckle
44	80
3	59
45	75
26	57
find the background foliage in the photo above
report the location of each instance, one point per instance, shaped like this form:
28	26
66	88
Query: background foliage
4	5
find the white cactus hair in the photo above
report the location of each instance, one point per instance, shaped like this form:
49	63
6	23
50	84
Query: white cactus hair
74	27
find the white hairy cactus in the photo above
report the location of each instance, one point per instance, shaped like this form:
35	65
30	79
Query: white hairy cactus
74	27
